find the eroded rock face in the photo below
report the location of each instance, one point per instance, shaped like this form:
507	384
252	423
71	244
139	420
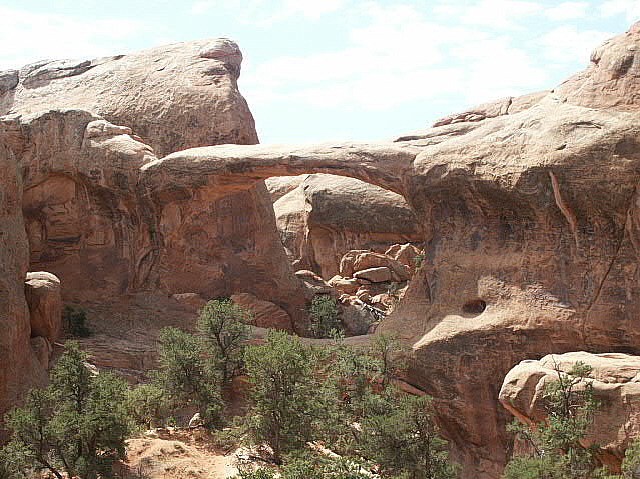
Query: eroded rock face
265	313
527	250
43	295
503	106
19	368
320	217
612	80
82	212
616	387
98	233
531	233
204	106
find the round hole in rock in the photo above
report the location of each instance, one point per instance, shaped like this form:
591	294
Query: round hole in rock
475	306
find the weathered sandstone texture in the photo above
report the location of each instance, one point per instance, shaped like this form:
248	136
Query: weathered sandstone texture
73	205
322	216
173	97
101	234
503	106
265	313
44	299
19	367
530	224
616	387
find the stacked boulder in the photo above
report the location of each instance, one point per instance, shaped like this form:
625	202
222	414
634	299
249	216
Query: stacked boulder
375	279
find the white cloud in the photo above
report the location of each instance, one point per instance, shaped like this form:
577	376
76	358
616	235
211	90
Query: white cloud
266	12
567	11
629	8
54	36
567	44
398	56
202	6
493	13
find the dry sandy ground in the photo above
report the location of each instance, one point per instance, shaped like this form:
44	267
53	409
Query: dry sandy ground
176	454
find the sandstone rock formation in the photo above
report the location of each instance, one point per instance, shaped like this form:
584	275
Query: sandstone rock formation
265	313
42	292
527	250
322	216
616	387
217	243
503	106
612	79
19	367
174	97
530	226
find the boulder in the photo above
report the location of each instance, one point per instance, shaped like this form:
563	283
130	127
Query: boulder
322	216
265	313
192	300
616	387
406	254
314	283
359	260
42	292
380	274
355	318
344	285
196	421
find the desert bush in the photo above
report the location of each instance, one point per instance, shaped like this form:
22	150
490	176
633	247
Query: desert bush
76	426
75	321
323	317
146	405
287	398
186	376
225	327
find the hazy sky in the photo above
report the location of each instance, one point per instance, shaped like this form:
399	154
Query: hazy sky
339	69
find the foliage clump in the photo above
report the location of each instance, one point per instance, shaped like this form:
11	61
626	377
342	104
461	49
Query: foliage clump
76	322
555	444
323	317
194	369
76	426
345	398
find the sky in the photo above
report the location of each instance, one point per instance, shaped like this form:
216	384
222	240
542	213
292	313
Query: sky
339	70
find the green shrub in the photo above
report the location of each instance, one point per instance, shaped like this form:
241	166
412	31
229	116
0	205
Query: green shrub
418	260
146	405
557	450
77	425
323	316
75	321
286	397
405	440
225	327
185	375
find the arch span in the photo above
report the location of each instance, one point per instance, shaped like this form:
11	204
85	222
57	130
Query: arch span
237	166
